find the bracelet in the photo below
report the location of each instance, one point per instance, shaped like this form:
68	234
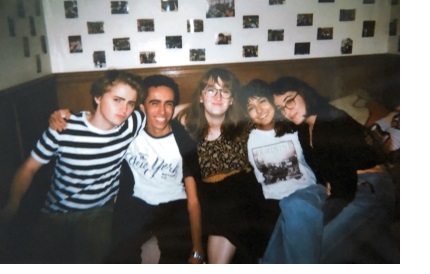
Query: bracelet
197	255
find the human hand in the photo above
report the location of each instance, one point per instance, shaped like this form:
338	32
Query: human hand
58	119
196	258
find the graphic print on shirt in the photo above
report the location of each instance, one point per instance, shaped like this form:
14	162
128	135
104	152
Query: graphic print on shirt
156	168
277	162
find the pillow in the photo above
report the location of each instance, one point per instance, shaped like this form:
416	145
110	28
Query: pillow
354	105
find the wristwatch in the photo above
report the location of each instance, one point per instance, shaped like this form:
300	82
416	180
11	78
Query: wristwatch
197	255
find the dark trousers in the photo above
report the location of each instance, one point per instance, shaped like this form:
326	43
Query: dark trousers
135	222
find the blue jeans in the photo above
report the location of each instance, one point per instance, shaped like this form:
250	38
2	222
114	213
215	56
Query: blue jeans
300	237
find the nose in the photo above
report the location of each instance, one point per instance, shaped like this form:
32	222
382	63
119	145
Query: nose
218	95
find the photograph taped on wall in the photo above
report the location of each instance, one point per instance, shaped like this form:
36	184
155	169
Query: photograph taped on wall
145	25
95	27
147	57
20	8
302	48
197	55
346	46
276	2
32	26
368	1
393	27
174	42
368	29
220	8
194	25
119	7
325	1
169	5
347	15
75	44
37	7
43	44
325	34
38	64
26	46
99	59
275	35
11	26
305	19
250	21
120	44
223	39
250	51
71	9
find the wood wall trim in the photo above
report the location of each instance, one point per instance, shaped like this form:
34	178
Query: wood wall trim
332	77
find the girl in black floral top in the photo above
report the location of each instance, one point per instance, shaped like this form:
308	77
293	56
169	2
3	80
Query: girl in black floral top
230	195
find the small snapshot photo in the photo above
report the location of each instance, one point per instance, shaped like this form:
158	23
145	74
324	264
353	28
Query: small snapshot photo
38	64
275	35
145	25
75	44
99	59
347	15
32	26
325	1
95	27
393	27
305	19
197	55
368	29
20	8
250	51
368	1
11	26
220	8
302	48
325	34
120	44
119	7
71	9
194	25
250	21
394	2
43	44
223	39
147	57
174	42
169	5
276	2
26	46
346	46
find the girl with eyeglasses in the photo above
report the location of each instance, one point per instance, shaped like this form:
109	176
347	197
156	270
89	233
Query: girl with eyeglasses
335	147
230	195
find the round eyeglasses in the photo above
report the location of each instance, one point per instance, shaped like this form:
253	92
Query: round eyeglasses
225	93
290	103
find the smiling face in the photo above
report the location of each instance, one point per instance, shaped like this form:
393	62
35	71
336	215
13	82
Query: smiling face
261	112
216	105
292	106
159	108
114	106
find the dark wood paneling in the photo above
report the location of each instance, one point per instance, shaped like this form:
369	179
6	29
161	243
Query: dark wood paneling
24	114
332	77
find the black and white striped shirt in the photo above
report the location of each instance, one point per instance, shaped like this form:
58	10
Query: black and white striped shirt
88	161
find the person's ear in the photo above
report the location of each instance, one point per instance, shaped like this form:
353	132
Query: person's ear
97	100
142	107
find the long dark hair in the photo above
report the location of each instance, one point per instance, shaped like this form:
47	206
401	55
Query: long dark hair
315	103
233	126
259	88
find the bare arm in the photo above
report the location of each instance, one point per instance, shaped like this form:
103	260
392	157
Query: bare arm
195	217
20	184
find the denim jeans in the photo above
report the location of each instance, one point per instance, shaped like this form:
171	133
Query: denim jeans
300	237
